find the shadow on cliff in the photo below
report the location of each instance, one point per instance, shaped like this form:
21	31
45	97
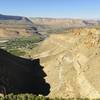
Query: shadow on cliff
20	75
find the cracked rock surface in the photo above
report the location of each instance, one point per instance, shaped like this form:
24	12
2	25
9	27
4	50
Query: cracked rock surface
72	64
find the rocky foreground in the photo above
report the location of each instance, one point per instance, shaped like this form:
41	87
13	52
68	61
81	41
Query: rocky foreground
72	63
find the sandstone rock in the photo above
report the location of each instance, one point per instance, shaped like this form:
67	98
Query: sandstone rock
72	64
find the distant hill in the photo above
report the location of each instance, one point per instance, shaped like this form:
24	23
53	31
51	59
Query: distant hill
8	17
12	19
53	25
64	21
14	26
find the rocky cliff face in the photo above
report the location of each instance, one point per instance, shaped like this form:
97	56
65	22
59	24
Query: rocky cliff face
72	63
58	22
13	26
64	22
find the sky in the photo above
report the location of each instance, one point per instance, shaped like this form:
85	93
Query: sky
51	8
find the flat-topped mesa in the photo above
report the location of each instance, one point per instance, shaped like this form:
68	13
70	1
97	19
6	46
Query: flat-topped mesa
65	22
8	17
12	26
12	19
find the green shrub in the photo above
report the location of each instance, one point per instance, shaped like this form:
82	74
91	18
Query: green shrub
22	42
16	52
17	46
34	97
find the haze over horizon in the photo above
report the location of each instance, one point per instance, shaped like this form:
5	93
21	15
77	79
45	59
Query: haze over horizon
51	8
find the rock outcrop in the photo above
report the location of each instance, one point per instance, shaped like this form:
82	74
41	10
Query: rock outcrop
20	75
72	63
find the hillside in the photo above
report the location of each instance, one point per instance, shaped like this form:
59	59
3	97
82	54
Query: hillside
72	63
64	22
15	26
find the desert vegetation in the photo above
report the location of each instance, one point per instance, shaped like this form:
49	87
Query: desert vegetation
34	97
17	46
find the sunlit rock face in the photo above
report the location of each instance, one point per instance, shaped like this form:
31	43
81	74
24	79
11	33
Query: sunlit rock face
72	63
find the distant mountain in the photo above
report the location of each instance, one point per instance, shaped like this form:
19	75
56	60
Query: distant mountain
7	17
12	19
14	26
52	25
64	21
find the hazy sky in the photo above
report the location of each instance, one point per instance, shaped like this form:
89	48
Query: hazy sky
52	8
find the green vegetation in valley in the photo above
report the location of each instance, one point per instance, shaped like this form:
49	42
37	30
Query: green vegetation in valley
17	52
23	42
17	46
